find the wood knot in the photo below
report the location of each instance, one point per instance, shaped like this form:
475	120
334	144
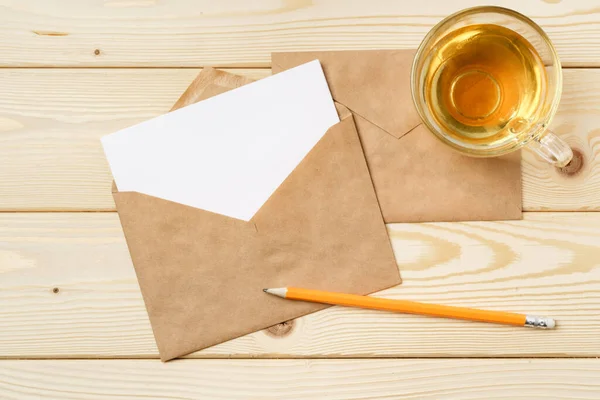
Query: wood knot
50	33
281	330
55	290
575	165
97	52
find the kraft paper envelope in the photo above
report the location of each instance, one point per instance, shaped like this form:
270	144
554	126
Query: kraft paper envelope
416	177
201	274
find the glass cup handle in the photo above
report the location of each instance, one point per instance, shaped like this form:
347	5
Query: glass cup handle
552	149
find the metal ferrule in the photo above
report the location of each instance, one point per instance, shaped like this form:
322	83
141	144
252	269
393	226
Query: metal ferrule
533	321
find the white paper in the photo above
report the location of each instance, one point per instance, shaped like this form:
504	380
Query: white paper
229	153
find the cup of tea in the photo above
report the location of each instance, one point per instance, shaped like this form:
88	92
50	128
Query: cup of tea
487	81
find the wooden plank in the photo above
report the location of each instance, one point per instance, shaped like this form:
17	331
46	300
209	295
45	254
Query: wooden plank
575	188
548	264
51	122
301	379
244	33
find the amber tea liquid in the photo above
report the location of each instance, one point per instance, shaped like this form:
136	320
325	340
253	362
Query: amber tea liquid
485	84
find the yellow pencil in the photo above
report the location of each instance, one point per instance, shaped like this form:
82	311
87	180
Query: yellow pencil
412	307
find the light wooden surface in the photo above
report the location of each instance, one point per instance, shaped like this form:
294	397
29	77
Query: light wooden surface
72	321
141	33
548	264
51	121
301	379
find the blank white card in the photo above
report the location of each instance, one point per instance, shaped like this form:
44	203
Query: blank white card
229	153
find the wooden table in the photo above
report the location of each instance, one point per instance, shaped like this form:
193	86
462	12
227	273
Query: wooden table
72	321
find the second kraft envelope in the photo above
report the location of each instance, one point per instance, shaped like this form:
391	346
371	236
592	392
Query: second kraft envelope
417	178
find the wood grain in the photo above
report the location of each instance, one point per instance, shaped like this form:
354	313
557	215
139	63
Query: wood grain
547	264
51	122
577	188
195	33
300	379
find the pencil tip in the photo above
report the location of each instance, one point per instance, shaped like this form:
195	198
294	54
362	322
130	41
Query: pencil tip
281	292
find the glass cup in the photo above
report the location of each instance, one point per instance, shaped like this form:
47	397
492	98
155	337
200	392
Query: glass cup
513	129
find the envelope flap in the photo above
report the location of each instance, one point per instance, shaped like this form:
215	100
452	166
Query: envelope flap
374	84
213	90
209	76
